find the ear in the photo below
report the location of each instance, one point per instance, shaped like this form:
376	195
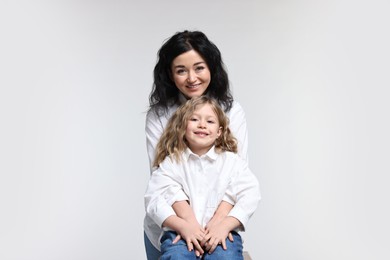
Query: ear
219	133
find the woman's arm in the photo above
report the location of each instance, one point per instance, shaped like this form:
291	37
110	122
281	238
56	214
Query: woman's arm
153	132
221	212
238	127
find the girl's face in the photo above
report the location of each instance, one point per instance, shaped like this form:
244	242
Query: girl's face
202	129
190	74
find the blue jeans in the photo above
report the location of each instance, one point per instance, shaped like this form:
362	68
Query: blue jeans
151	252
179	250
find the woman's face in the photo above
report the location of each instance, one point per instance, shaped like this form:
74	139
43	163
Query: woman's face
190	74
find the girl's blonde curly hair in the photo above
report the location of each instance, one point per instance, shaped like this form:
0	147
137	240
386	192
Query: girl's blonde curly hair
172	142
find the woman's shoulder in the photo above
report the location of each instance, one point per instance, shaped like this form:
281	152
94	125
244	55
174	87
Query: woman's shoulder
159	113
236	112
236	106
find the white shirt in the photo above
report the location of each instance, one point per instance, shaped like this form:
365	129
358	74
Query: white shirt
154	127
204	181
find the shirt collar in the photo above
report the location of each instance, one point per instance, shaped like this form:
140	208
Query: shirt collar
182	98
211	154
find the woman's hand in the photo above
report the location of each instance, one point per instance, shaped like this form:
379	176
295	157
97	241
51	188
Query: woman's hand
218	232
192	233
216	235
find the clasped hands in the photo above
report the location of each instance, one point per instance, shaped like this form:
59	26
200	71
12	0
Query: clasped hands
204	239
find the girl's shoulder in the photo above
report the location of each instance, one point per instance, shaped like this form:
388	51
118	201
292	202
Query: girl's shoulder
170	161
227	155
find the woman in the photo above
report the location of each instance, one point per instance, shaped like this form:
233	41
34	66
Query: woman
189	65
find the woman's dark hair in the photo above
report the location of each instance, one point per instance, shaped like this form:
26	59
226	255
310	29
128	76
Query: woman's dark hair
165	93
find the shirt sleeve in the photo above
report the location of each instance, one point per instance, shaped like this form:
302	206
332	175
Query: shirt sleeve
244	189
239	129
153	131
162	191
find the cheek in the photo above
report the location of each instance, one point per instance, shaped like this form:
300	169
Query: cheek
188	130
177	80
207	75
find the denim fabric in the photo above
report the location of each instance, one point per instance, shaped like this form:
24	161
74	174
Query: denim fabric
179	251
151	252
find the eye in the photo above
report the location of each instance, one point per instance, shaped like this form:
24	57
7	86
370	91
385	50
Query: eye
181	71
193	119
211	121
199	68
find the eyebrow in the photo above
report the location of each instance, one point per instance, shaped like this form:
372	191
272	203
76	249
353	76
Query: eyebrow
195	64
207	116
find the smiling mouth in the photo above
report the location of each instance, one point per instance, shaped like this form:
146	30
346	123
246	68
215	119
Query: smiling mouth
193	86
201	133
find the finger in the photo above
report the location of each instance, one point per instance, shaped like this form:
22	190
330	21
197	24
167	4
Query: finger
230	236
210	244
213	247
177	238
198	247
224	246
190	247
200	237
204	240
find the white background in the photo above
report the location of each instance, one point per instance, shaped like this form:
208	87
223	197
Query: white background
312	76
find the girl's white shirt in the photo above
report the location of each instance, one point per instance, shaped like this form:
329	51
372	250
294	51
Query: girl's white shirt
154	127
204	181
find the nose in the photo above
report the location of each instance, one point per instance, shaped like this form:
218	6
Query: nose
201	124
191	76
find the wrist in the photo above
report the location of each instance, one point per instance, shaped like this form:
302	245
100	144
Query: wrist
231	223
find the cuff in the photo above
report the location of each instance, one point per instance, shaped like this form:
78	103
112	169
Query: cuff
241	215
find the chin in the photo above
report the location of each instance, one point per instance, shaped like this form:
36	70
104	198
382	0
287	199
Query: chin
196	94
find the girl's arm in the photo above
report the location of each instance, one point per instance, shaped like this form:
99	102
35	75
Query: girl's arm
162	191
245	192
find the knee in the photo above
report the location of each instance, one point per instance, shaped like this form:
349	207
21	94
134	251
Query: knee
177	251
233	251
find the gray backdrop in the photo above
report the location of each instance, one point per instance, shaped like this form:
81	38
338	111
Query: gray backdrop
313	77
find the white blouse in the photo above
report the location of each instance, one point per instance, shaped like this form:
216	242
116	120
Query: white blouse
204	181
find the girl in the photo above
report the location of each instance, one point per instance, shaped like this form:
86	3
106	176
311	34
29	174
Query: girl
188	65
197	163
